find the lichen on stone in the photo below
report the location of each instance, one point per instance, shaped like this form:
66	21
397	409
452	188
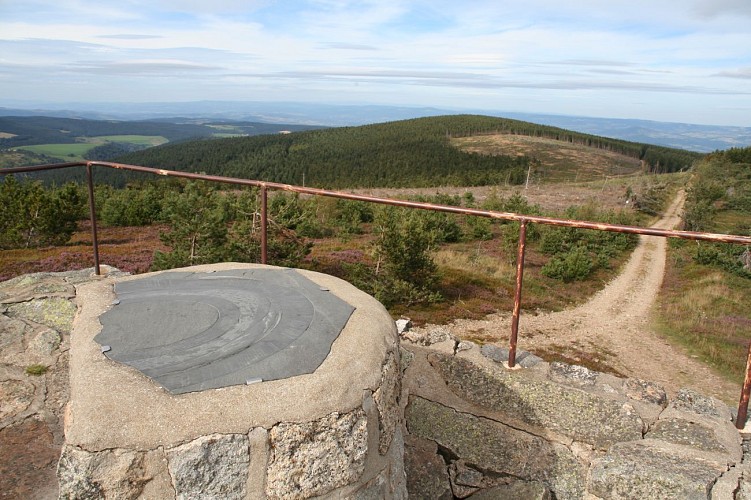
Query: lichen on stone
312	458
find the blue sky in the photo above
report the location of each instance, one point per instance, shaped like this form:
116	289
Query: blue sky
666	60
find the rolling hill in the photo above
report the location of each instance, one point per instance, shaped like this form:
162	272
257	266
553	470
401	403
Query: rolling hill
432	151
416	152
74	139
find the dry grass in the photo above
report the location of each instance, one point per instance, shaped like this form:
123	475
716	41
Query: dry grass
706	311
129	249
560	161
474	262
578	355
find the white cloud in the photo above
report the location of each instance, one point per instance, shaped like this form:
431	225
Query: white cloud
540	51
743	73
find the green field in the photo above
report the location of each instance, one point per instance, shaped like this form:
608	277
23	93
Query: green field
143	140
65	152
76	151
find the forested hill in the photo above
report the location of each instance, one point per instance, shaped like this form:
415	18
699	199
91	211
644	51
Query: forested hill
20	131
413	152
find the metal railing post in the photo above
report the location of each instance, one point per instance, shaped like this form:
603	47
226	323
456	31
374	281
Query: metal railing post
740	420
264	224
522	219
92	216
518	293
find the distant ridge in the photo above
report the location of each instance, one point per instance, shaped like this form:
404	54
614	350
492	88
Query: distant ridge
693	137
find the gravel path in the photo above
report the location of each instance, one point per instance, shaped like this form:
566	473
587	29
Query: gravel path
614	327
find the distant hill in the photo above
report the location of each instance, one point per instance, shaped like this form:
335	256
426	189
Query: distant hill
416	152
693	137
19	131
700	138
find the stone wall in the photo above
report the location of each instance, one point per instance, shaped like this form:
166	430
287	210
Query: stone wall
36	317
477	429
334	433
473	428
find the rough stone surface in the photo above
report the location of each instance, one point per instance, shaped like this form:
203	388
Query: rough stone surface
486	442
464	480
567	410
36	312
313	458
429	337
517	490
405	358
107	474
375	489
213	466
572	374
644	390
427	475
744	487
386	398
465	345
691	401
54	312
17	396
729	485
43	344
525	359
28	459
688	433
11	338
647	469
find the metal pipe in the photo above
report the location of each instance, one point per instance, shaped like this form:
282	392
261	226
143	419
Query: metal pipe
264	225
92	216
666	233
523	219
740	420
518	293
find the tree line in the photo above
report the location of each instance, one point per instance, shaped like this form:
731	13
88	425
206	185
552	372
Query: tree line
413	152
719	200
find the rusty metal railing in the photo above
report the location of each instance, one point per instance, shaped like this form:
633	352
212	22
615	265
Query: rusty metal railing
523	220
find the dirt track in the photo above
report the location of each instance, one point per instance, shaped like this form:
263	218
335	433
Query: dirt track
614	327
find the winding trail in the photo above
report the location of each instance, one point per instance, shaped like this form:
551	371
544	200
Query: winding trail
615	326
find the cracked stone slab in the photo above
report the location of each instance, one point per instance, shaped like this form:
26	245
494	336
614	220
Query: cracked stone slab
498	447
688	400
573	412
652	469
688	433
427	473
193	331
54	312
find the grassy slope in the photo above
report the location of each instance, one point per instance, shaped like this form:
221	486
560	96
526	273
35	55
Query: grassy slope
559	161
77	151
703	307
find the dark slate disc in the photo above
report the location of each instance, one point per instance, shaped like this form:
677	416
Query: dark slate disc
196	331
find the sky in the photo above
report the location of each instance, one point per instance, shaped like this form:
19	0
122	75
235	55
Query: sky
666	60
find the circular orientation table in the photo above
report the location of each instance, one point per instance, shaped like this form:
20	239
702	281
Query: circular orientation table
192	331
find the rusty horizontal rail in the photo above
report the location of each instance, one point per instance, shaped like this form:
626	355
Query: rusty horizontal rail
524	220
598	226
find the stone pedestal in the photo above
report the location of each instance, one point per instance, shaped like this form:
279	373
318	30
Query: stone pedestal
332	433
